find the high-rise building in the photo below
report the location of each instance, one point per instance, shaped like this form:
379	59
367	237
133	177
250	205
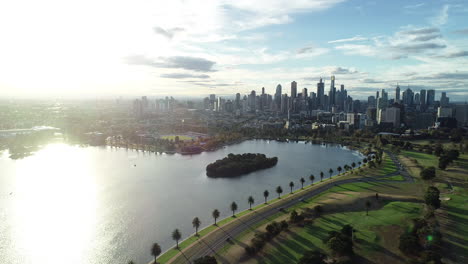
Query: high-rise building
320	94
422	97
397	93
461	114
417	99
371	101
408	97
238	103
430	97
304	93
252	101
332	92
444	100
278	97
294	89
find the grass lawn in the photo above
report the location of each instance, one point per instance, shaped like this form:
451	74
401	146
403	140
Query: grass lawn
394	178
372	238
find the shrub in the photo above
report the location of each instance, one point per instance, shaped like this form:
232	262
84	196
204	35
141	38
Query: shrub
428	173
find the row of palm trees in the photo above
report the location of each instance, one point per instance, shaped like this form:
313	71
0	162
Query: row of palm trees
196	223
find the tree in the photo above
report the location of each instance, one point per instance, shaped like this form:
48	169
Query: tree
368	205
265	194
302	182
353	165
311	178
444	161
131	262
438	150
318	210
428	173
233	208
330	171
364	160
409	243
279	190
291	185
312	257
215	214
339	169
321	176
250	200
176	236
155	251
431	197
376	196
206	260
196	224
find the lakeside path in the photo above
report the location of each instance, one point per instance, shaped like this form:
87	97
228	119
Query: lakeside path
212	242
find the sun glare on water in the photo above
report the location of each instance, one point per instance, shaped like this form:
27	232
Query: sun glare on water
55	206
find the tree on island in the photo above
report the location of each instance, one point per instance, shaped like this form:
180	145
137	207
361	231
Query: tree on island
215	215
176	236
265	194
233	208
291	185
155	251
302	182
311	178
321	176
250	200
331	172
279	190
236	165
196	224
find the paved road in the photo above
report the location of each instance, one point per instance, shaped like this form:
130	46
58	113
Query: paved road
209	245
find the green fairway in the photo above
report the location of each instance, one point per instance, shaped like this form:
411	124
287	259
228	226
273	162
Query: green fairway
394	178
424	159
368	240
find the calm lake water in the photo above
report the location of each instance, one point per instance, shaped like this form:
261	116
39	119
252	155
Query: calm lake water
71	204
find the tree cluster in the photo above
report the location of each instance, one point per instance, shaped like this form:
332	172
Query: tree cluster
341	243
206	260
422	241
448	158
261	238
428	173
235	165
431	197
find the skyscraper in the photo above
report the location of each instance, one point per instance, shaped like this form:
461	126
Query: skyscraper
332	92
294	89
444	100
304	93
278	97
320	94
397	93
430	97
422	97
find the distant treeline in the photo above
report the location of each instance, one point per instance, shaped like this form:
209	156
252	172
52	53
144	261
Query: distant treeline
235	165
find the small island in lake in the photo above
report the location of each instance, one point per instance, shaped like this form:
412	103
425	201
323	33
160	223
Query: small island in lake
235	165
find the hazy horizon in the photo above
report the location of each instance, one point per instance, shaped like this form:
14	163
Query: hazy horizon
84	49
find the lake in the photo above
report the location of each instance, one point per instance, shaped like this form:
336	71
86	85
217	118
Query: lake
72	204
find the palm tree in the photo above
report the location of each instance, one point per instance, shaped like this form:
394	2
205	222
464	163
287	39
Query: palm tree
215	214
331	172
353	165
302	182
131	262
291	185
359	163
233	208
312	178
279	190
250	201
196	224
368	204
339	169
265	194
155	251
176	236
321	176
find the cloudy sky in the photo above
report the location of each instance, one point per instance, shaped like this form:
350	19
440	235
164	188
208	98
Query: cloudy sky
96	48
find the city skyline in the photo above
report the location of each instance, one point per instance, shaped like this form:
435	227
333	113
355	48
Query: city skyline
194	49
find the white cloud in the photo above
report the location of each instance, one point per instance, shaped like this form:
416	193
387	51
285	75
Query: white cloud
356	38
442	17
